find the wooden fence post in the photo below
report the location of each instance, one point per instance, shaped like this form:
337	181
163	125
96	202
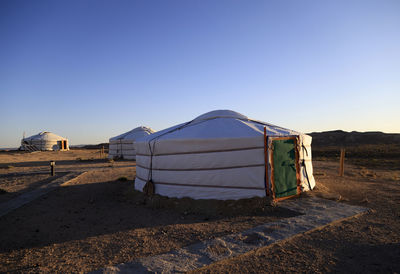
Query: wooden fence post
52	168
342	154
102	152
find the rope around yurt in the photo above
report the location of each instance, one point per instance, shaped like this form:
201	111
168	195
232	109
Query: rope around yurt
149	187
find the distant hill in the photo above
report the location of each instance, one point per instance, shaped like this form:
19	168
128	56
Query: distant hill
98	146
343	138
325	138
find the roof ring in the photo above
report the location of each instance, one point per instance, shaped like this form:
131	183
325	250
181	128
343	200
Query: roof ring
224	113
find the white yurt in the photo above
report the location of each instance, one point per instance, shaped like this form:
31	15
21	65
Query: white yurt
44	141
224	155
121	146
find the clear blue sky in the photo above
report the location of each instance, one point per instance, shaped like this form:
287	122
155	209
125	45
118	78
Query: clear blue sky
90	70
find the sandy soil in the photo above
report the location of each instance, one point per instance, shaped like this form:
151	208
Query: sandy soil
99	220
369	243
22	162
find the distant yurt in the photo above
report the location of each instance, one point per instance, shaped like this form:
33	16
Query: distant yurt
224	155
121	146
44	141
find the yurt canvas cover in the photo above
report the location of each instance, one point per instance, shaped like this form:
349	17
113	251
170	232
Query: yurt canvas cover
225	155
44	141
122	145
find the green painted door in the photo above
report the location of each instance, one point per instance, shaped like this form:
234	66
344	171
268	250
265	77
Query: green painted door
284	158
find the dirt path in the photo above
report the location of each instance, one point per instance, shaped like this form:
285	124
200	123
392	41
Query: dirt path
73	160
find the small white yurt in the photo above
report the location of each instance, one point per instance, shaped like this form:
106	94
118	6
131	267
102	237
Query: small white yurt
44	141
224	155
121	146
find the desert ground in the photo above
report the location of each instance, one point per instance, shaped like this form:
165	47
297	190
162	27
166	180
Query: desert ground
97	219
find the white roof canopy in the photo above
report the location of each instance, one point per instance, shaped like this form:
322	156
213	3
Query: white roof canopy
220	124
44	135
134	134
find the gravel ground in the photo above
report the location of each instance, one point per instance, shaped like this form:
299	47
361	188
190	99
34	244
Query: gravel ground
98	220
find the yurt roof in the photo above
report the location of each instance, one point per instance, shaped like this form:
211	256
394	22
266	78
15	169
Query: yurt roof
134	134
45	135
220	124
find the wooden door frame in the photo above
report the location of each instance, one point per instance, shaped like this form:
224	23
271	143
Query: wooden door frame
296	153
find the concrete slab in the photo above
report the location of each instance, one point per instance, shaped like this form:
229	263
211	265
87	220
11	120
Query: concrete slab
28	197
316	213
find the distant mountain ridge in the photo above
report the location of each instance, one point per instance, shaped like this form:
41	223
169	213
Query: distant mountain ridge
324	138
344	138
88	146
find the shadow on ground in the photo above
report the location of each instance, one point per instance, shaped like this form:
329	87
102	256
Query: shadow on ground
361	258
6	196
81	211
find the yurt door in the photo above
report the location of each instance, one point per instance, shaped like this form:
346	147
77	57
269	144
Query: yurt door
285	176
